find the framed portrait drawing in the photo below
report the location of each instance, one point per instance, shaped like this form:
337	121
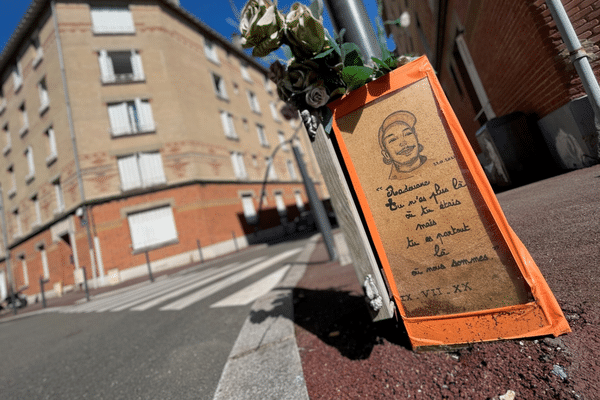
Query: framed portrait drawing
455	269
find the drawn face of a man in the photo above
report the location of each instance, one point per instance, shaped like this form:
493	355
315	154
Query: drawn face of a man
401	145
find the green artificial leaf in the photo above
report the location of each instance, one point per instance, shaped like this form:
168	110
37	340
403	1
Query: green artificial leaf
380	64
356	76
316	8
351	55
324	54
333	43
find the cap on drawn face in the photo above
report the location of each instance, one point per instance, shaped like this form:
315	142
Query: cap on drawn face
404	117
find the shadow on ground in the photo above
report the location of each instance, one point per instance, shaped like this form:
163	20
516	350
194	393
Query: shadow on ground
339	318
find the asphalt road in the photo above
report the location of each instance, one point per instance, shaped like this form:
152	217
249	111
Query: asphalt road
128	354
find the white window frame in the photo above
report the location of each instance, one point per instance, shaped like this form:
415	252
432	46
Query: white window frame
107	70
19	227
141	170
59	196
44	97
24	120
239	167
37	211
39	51
103	19
210	49
244	71
8	145
299	200
25	271
280	203
249	208
282	139
52	150
2	102
44	258
262	135
17	75
152	228
30	164
13	190
291	170
131	117
253	101
228	125
274	111
271	166
219	86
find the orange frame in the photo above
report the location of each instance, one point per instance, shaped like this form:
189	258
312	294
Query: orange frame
540	317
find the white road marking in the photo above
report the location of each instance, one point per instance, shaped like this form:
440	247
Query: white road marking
210	290
188	288
252	292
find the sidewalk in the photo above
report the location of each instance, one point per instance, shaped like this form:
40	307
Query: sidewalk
346	356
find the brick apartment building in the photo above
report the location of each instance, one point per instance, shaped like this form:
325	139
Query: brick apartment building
130	126
508	76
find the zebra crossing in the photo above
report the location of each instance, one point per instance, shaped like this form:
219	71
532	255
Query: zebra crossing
180	292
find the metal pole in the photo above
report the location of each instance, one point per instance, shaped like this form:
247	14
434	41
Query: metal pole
352	16
316	205
42	291
11	282
85	285
235	241
579	57
200	250
149	269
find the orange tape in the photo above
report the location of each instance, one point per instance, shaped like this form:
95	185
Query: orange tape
541	317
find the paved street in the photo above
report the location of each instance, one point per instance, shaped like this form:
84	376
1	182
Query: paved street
164	340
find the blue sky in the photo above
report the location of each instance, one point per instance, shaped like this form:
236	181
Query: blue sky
214	13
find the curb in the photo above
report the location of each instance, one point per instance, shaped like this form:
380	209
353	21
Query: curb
265	362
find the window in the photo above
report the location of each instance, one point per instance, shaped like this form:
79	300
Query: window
17	77
60	201
244	71
219	86
282	142
253	100
228	127
141	170
24	120
291	170
120	66
262	136
51	140
13	190
272	173
299	201
298	145
152	228
37	211
130	117
18	228
39	52
274	111
268	84
280	204
112	20
239	168
211	51
2	102
249	210
44	98
8	143
24	269
30	164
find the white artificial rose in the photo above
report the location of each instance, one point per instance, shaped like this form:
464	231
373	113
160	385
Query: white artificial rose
261	27
304	32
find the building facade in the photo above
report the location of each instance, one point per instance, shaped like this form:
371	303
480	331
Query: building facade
509	77
131	129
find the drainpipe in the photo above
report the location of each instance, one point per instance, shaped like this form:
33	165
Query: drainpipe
579	57
86	213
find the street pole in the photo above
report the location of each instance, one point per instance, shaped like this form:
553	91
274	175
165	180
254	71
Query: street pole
352	16
316	205
7	253
579	57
